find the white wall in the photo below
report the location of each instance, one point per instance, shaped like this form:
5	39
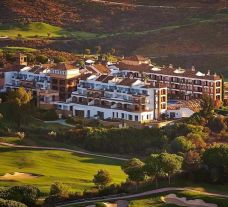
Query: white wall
181	113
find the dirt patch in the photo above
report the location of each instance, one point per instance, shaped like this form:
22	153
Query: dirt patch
18	176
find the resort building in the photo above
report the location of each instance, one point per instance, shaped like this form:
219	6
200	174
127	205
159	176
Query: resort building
34	78
181	83
64	78
111	97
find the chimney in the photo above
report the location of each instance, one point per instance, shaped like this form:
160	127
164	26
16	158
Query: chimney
208	72
193	68
170	65
215	74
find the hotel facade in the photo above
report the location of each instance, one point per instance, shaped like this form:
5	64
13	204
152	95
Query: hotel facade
183	83
111	97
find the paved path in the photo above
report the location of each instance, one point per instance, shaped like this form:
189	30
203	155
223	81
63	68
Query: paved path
141	5
59	121
62	149
147	193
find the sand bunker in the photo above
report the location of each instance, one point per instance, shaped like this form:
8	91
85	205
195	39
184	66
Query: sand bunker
173	199
18	176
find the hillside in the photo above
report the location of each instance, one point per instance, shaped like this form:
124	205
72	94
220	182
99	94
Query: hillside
181	32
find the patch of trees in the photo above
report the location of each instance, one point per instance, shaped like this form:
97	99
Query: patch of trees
23	194
11	203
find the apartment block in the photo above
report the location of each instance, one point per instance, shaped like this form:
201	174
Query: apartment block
111	97
182	83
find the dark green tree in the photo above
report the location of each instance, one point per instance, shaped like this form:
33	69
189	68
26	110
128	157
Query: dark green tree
102	179
181	144
60	189
207	106
134	168
153	167
171	164
19	101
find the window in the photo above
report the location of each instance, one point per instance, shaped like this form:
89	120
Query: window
122	115
136	118
130	117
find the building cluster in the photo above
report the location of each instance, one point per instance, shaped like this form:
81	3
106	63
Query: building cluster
131	90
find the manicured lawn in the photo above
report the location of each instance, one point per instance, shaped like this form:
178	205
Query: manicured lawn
70	168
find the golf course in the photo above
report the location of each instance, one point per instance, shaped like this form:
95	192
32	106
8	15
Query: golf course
44	167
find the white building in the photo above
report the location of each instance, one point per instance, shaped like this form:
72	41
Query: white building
34	78
110	97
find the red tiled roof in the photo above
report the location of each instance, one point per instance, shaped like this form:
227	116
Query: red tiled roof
136	58
64	66
145	68
127	81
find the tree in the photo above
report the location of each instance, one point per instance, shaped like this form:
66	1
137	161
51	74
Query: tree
134	168
216	159
192	162
42	59
217	124
31	58
59	59
60	189
197	140
19	101
207	106
102	179
181	144
171	164
153	167
98	49
10	203
25	194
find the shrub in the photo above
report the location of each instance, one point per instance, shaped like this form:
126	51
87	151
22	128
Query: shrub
100	205
50	115
180	144
91	193
25	194
60	189
10	203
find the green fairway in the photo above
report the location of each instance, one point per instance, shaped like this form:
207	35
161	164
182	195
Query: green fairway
18	49
66	167
40	29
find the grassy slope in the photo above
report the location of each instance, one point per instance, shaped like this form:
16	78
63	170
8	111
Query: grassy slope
40	29
66	167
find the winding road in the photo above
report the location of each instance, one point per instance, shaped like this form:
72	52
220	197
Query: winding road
140	5
138	195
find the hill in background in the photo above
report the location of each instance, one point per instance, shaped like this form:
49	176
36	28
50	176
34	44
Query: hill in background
179	31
